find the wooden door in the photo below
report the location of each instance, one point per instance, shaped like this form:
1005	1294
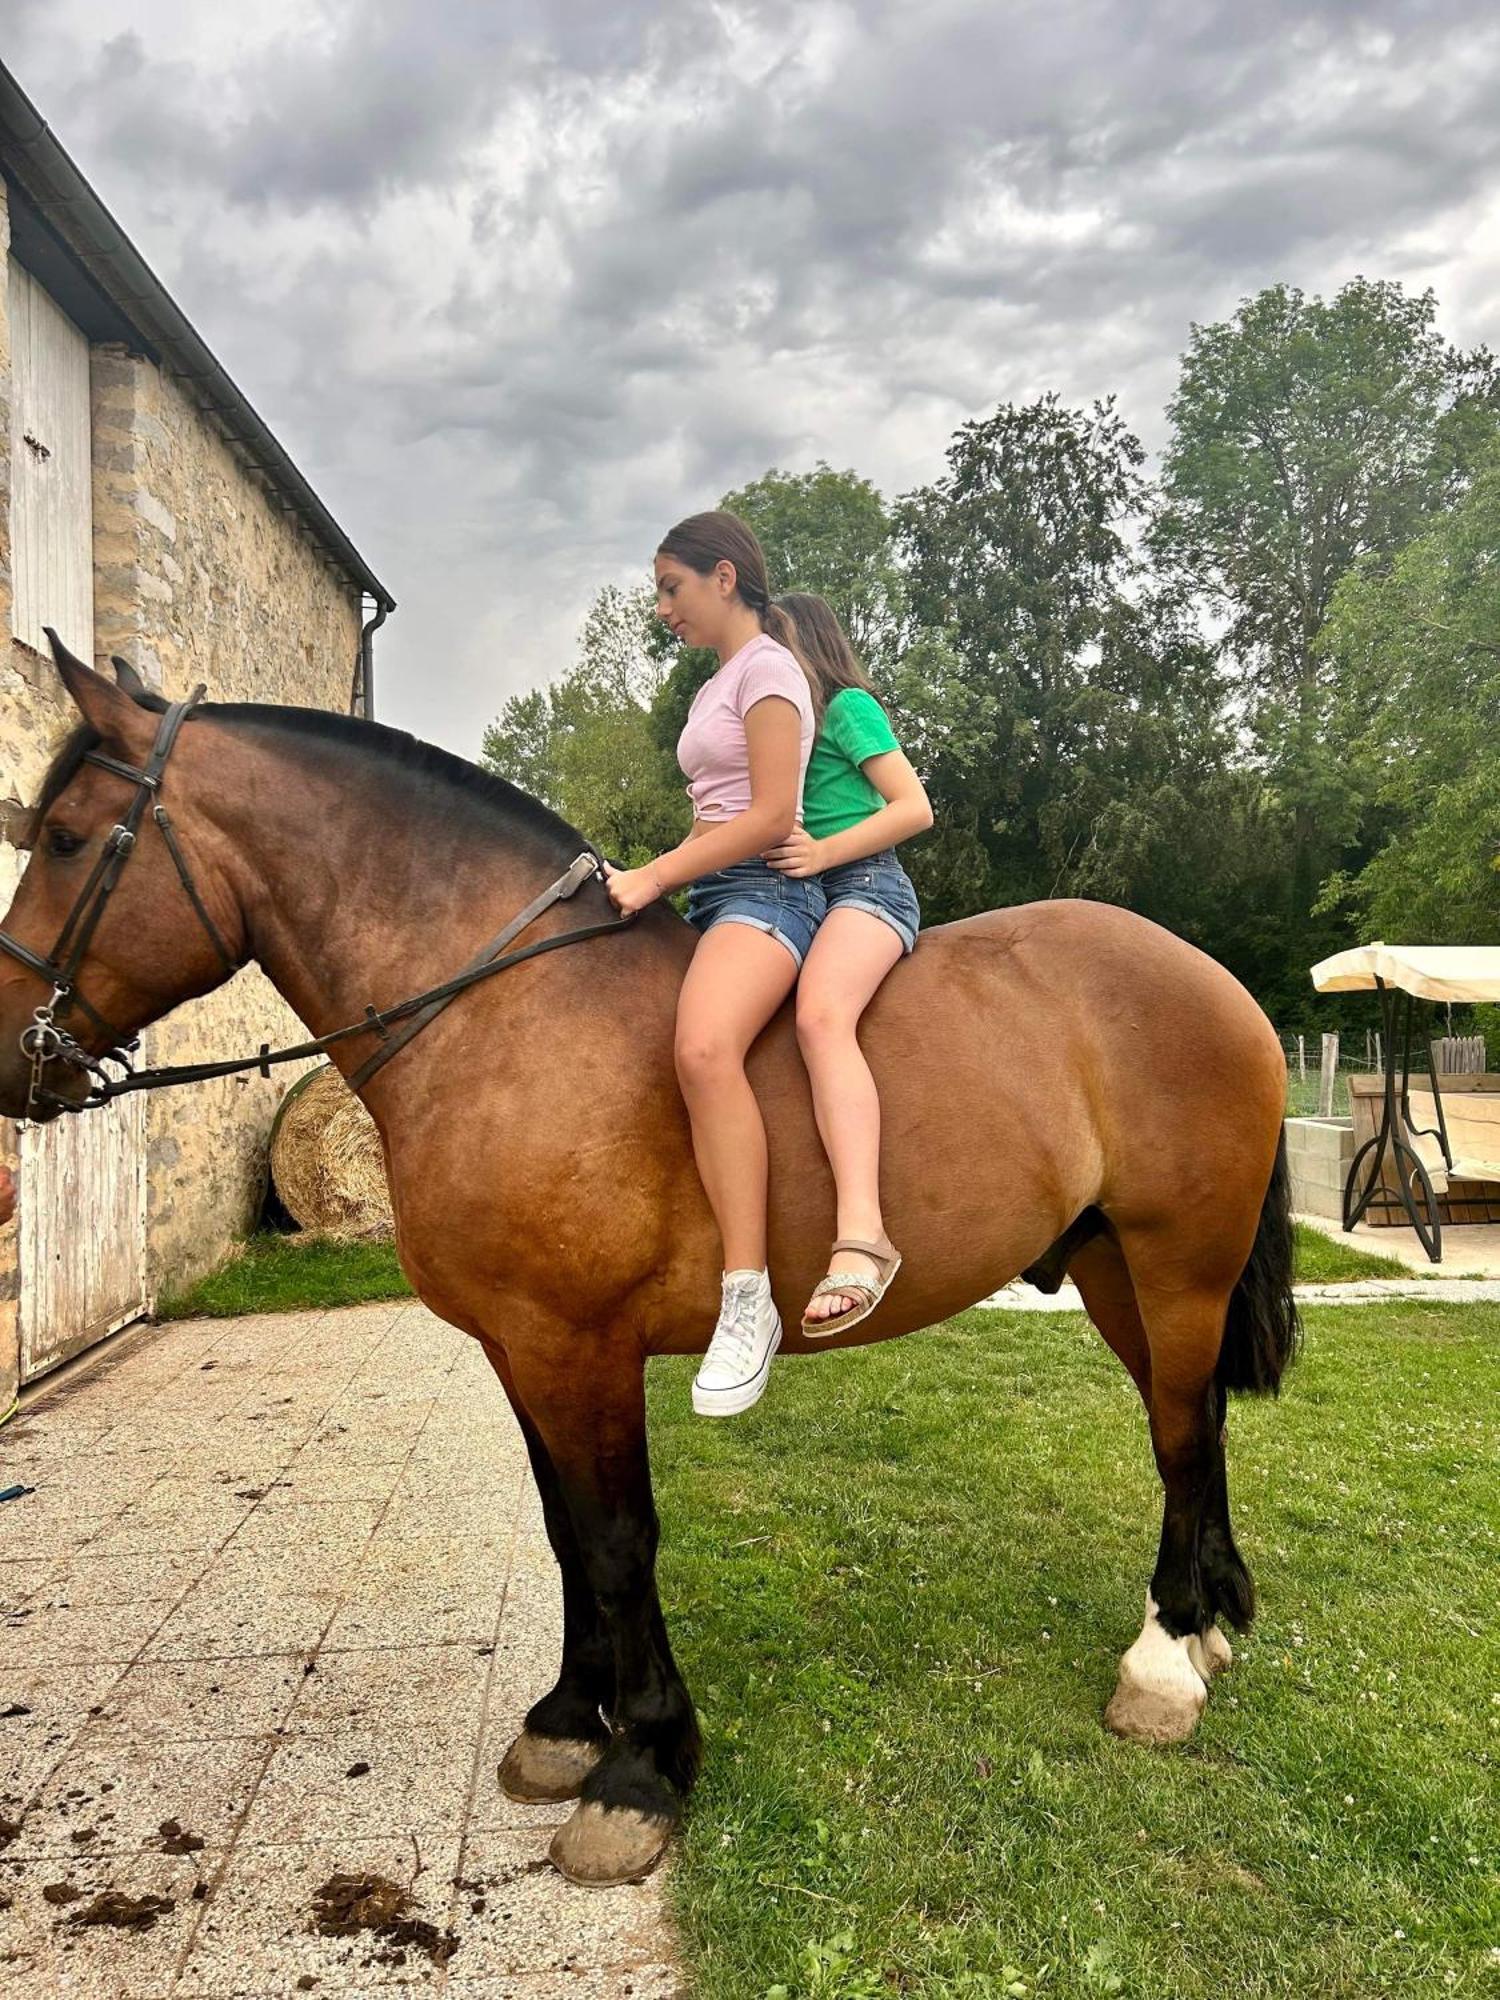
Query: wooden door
52	535
83	1180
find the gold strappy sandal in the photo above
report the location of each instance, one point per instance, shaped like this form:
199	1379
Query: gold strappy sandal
887	1260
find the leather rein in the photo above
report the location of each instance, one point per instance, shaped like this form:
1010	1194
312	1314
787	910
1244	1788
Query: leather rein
44	1040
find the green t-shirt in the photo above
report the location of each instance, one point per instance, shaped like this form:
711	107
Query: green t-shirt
836	792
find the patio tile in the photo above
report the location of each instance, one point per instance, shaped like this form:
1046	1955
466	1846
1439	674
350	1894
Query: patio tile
175	1514
332	1478
291	1524
45	1950
394	1689
111	1794
87	1633
362	1781
257	1933
85	1578
431	1507
57	1702
440	1612
532	1922
186	1700
223	1624
20	1581
610	1982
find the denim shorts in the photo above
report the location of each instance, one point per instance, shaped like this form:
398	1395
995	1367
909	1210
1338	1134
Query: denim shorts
753	892
879	885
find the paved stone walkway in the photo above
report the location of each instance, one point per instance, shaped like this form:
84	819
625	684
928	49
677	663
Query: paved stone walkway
273	1612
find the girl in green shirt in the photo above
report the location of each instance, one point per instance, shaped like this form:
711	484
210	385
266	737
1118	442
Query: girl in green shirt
860	798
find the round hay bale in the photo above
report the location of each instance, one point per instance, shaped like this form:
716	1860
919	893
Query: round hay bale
326	1162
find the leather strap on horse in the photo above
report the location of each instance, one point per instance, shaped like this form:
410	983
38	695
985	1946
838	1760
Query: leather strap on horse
416	1013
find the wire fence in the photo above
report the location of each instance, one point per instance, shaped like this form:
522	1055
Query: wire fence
1319	1066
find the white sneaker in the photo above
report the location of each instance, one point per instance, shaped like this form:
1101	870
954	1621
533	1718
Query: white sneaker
738	1362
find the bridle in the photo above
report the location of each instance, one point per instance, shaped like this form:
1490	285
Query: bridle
45	1040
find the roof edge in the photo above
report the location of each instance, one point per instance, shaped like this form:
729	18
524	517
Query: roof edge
31	156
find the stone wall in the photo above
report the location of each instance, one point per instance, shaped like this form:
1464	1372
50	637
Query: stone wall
200	574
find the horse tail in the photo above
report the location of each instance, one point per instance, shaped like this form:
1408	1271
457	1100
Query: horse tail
1262	1331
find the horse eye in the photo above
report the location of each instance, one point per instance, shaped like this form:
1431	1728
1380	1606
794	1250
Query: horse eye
61	843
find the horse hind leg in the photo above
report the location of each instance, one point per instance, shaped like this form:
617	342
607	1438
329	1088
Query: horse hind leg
1164	1677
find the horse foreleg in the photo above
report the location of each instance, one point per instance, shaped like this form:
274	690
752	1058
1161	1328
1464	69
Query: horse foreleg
588	1407
565	1733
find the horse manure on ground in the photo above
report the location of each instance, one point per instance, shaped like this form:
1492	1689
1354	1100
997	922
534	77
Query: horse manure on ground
131	1913
175	1841
347	1904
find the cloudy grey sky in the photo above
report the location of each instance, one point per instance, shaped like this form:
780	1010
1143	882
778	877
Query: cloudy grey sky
518	283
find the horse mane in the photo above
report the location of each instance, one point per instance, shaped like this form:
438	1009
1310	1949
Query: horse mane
441	779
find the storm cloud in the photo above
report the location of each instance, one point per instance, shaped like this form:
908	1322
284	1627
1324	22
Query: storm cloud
518	285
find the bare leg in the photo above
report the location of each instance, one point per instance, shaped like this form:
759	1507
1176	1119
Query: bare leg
738	978
850	956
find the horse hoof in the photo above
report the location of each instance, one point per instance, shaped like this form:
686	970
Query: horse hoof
542	1770
602	1846
1210	1652
1159	1694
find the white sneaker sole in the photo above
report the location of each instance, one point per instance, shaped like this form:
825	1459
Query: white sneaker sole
744	1395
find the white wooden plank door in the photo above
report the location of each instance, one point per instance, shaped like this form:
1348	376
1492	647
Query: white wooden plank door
52	517
83	1180
83	1231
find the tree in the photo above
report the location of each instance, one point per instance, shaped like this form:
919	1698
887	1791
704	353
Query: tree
585	746
1061	705
1416	650
828	532
1307	436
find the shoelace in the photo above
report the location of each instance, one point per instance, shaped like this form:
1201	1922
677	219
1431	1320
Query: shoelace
734	1336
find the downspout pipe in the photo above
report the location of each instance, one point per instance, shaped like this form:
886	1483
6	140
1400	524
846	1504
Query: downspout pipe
362	694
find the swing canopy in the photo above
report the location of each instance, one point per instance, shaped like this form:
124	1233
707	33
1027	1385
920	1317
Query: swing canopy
1459	972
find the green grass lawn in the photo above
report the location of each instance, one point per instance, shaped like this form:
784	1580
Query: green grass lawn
291	1273
287	1274
899	1589
1326	1260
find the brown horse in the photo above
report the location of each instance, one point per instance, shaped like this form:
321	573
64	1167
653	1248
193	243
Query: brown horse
1065	1087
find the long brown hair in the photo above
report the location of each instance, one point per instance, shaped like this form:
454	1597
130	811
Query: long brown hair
703	541
823	647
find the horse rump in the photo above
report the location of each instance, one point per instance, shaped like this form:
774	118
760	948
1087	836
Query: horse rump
1262	1331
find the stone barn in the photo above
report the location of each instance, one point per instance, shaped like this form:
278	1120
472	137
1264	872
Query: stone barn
145	510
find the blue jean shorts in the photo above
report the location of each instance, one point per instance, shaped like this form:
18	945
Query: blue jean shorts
880	885
754	893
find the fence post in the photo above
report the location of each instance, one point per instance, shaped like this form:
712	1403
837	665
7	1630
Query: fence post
1302	1058
1328	1075
1379	1054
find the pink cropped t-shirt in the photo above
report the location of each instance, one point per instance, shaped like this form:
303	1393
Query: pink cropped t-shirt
712	749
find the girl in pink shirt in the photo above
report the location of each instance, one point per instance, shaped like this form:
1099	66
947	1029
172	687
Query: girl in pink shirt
744	753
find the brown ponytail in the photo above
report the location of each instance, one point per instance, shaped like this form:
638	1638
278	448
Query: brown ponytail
703	541
821	644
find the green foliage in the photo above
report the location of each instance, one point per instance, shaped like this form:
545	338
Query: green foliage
829	532
1067	715
586	746
1414	650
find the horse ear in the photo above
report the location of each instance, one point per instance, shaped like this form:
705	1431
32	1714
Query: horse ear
141	692
127	678
111	712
